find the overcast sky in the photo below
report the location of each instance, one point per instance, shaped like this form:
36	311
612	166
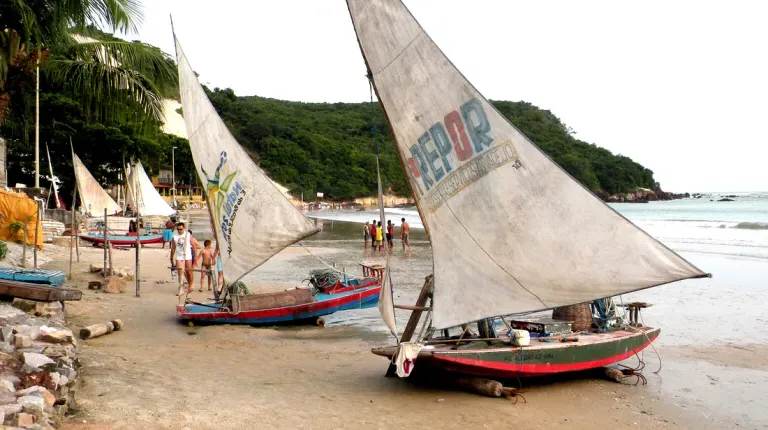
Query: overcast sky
679	86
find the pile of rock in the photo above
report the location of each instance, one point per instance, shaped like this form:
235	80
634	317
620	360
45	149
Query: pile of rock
38	364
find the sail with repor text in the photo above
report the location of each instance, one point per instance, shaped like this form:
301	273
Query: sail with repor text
511	231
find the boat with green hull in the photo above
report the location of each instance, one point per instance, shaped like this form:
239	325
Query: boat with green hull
512	233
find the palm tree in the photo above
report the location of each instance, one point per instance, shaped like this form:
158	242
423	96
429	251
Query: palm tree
55	35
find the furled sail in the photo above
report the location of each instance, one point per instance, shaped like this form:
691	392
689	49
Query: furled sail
511	232
149	200
251	218
93	198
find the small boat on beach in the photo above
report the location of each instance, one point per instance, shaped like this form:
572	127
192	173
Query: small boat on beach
512	233
122	239
251	220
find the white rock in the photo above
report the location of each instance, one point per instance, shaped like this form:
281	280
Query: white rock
14	379
36	360
30	391
10	315
56	378
7	386
11	409
32	404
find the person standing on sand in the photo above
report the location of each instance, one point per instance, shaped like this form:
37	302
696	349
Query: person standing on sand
379	237
390	234
405	231
373	234
206	257
219	269
181	254
367	234
168	233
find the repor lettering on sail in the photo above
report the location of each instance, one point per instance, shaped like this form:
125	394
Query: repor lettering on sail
464	145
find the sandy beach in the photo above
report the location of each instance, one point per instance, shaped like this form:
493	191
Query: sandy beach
158	373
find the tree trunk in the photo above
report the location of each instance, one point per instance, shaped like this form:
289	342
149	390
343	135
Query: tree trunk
3	175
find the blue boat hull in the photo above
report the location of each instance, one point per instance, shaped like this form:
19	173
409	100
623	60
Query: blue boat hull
323	304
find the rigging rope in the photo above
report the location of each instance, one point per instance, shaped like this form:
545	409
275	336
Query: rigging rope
325	278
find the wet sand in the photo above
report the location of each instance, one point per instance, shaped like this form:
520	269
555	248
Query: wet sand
158	373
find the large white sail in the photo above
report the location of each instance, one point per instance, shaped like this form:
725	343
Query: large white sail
510	230
150	202
93	198
251	218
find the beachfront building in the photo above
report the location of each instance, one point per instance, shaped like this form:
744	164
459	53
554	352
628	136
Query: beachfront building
163	183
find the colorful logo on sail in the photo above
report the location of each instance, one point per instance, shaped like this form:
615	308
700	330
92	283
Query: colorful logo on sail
224	198
456	152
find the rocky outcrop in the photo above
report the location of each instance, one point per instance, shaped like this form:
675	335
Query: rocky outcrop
641	195
38	364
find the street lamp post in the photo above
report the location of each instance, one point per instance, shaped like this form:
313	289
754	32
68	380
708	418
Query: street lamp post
173	174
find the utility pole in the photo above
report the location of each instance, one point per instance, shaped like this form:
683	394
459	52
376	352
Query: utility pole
173	174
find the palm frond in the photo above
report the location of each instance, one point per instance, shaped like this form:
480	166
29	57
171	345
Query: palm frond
149	61
98	82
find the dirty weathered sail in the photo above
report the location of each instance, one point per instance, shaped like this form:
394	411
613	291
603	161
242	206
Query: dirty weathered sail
149	200
510	230
93	198
252	219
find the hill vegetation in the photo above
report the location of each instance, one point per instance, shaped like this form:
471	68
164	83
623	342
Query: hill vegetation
329	147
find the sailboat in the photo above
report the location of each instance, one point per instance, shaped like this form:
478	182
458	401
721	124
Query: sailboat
149	202
511	232
95	200
251	221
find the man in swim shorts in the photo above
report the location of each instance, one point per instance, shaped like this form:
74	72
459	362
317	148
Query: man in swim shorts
405	231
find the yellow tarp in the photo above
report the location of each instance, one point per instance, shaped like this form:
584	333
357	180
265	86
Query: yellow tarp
18	207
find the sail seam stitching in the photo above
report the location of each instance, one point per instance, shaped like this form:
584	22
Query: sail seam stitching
447	204
401	52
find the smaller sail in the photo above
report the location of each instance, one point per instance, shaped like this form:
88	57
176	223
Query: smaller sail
148	201
93	198
387	302
251	219
53	179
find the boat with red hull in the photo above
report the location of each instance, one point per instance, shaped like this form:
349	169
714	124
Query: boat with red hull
321	304
122	240
511	232
539	359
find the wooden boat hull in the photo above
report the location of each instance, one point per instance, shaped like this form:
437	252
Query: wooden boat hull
323	304
123	240
538	359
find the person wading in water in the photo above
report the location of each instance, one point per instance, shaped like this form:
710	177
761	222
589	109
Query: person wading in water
405	232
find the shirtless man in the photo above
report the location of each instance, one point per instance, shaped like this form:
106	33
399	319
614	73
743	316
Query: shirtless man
405	231
206	257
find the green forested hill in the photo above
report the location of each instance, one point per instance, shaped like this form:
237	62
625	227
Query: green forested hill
329	147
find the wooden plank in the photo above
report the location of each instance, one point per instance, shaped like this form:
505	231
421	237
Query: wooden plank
25	290
281	299
412	308
413	321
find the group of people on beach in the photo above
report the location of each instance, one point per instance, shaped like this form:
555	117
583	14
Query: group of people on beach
187	254
374	232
